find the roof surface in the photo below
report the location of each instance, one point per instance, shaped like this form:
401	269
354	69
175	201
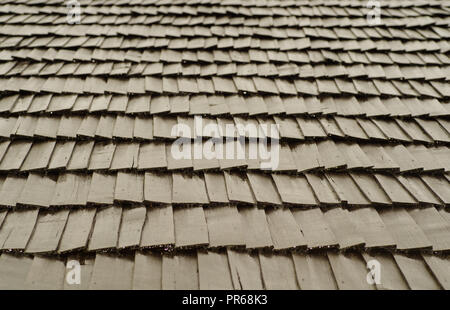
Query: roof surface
87	172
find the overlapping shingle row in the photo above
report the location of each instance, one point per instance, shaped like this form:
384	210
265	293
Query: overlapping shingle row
234	105
227	270
116	228
308	189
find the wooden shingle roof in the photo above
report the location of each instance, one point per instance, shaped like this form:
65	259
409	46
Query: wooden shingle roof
87	169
